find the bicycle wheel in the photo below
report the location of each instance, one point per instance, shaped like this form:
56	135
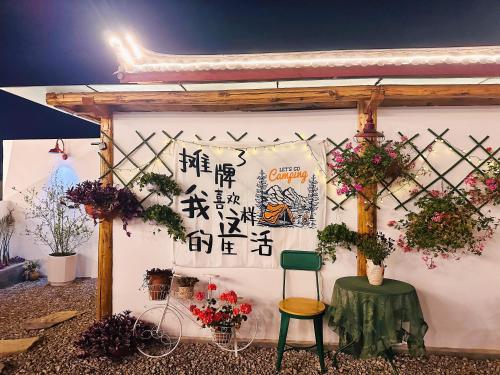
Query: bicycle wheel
158	331
240	338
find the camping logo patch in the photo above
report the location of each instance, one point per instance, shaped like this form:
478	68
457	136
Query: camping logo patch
279	204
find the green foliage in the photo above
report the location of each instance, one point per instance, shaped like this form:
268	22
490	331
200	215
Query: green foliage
159	184
444	225
165	216
332	236
375	247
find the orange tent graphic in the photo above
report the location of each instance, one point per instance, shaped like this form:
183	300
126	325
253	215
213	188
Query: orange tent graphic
277	214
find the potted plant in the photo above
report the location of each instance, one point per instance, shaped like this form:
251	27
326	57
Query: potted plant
375	248
159	184
105	202
53	224
354	168
222	315
31	270
446	225
158	281
334	235
164	216
185	289
113	337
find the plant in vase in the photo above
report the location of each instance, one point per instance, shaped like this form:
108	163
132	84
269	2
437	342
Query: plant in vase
158	281
52	223
446	225
357	167
483	186
222	315
186	285
332	236
375	248
106	202
113	337
7	224
159	184
163	215
31	270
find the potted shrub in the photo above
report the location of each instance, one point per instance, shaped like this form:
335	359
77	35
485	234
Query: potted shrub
185	289
7	224
334	235
112	337
222	315
446	225
158	282
53	224
105	202
354	168
375	248
31	270
163	215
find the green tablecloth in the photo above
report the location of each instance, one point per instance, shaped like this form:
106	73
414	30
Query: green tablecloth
376	317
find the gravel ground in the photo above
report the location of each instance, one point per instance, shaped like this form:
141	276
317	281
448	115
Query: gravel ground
55	354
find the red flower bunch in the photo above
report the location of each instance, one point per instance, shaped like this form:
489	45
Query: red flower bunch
222	312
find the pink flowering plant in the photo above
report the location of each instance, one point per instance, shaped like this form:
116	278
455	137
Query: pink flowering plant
354	168
446	225
220	312
484	187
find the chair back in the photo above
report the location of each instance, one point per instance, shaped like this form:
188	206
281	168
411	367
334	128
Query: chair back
301	261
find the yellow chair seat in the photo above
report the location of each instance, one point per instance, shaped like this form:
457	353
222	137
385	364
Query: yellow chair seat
302	306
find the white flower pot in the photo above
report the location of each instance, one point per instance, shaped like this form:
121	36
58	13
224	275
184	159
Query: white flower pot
61	270
374	272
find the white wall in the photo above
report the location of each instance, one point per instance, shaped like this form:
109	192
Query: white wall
28	164
457	300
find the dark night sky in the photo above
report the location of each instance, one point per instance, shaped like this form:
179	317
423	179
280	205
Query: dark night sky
54	42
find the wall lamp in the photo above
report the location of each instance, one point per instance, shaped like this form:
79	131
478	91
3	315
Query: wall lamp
58	150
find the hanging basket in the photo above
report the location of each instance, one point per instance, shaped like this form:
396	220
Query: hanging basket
393	171
185	292
222	335
98	213
375	273
159	287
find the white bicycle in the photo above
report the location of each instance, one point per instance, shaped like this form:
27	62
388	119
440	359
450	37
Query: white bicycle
159	328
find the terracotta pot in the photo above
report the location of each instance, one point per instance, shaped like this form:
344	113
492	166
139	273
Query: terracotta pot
61	270
374	273
185	292
159	286
97	213
33	276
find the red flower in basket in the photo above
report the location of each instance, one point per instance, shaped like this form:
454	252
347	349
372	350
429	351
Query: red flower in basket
230	297
246	308
212	287
200	296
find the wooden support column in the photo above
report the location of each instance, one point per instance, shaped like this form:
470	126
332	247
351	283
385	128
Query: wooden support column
105	252
367	213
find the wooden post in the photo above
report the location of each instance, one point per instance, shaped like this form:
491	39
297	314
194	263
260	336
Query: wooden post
105	252
367	213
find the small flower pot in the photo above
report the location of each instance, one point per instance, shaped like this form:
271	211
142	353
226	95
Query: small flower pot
375	273
159	286
33	276
185	292
222	335
61	269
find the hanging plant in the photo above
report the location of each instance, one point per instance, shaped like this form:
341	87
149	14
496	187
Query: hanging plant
106	202
484	187
355	168
332	236
164	216
159	184
446	225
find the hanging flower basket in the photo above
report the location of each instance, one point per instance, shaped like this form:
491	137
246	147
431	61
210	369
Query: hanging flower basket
484	187
99	213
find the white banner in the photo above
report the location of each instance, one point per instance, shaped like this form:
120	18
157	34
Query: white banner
242	205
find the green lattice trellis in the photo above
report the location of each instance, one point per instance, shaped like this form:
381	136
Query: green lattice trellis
385	188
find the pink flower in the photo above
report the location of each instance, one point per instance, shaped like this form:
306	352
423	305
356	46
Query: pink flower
404	138
435	193
357	149
392	154
348	146
377	159
358	187
470	180
339	159
438	217
489	149
391	223
414	191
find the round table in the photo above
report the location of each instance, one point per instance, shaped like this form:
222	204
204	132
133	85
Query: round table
370	319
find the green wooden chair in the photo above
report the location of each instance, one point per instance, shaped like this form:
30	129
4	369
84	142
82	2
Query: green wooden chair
299	307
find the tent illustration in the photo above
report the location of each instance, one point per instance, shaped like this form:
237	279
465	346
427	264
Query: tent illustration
277	215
